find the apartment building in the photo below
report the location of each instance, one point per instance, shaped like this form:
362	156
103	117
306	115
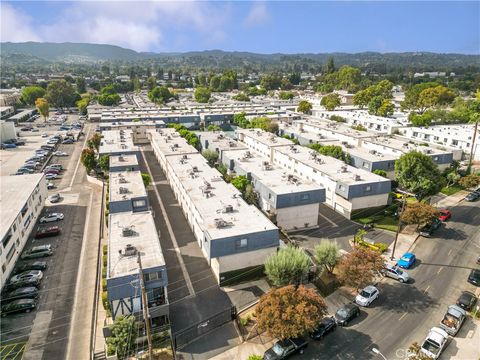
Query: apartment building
455	137
124	163
347	188
117	142
218	141
290	202
138	128
21	199
127	192
231	234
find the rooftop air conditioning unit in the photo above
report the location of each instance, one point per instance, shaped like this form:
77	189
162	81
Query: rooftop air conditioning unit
343	169
127	231
130	250
123	190
122	180
194	168
121	158
228	209
356	177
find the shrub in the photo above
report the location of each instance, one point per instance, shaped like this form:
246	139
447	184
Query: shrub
104	284
105	303
338	118
255	357
105	260
105	249
382	247
104	272
245	320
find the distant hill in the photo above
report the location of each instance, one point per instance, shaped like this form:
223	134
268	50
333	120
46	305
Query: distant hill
29	52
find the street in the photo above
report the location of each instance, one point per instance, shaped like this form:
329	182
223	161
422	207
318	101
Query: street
405	312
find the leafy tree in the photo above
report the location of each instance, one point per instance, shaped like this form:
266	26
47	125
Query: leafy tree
241	97
290	312
349	78
211	156
32	93
330	101
125	332
240	120
374	97
256	91
82	104
95	141
287	266
331	150
380	172
264	123
108	96
81	85
43	108
88	159
251	196
305	107
215	83
470	181
271	81
435	96
295	78
286	95
202	94
327	254
160	94
329	67
146	179
359	267
452	178
418	173
104	163
151	83
240	182
412	95
61	94
386	108
418	213
213	127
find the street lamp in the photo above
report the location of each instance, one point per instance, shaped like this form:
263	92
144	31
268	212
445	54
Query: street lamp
376	351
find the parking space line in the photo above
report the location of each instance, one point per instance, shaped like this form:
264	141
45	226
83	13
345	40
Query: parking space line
330	221
425	291
439	270
450	252
401	317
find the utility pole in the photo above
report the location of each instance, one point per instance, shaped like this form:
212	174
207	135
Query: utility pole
404	197
473	145
146	317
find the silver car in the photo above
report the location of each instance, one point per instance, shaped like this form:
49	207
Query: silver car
27	275
396	273
52	217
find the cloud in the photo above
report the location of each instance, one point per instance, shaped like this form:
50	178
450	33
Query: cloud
258	15
16	26
138	25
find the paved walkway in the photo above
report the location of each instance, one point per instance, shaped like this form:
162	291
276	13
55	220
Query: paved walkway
451	200
256	346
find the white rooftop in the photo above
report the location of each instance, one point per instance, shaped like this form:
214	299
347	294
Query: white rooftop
15	191
266	138
125	185
218	140
395	144
142	235
117	141
123	160
169	142
211	197
329	128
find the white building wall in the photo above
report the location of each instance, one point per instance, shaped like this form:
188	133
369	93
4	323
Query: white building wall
7	130
21	230
297	216
369	201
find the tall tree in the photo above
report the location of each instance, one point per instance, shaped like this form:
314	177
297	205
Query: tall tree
104	163
32	93
287	266
240	182
359	267
418	213
327	254
124	334
202	94
160	94
61	94
330	101
81	85
418	173
88	159
290	312
42	106
305	107
329	67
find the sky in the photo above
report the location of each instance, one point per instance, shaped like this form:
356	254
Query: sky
262	27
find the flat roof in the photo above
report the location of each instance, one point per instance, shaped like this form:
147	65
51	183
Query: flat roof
266	138
143	235
169	142
330	128
129	124
123	160
398	119
404	145
15	191
117	141
125	185
459	130
198	180
220	141
272	176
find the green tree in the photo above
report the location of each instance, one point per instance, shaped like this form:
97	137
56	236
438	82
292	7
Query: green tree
287	266
160	94
412	95
470	181
359	267
290	312
264	123
240	120
418	173
213	127
81	85
95	141
286	95
331	150
329	67
380	172
146	179
271	81
151	83
305	107
418	213
43	108
330	101
327	254
88	159
32	93
240	182
349	78
241	97
435	96
82	104
61	94
251	196
211	156
124	334
104	163
202	94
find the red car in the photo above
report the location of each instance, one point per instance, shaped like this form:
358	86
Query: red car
47	232
444	215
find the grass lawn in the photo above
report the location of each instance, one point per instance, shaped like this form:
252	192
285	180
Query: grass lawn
381	222
451	190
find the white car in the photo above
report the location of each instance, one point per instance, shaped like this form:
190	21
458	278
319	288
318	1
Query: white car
52	217
27	275
367	296
60	153
51	176
50	186
435	342
44	135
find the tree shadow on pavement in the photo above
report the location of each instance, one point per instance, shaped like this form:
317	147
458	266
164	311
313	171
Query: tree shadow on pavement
403	298
452	234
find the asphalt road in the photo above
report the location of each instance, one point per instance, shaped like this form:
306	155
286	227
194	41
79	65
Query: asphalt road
405	312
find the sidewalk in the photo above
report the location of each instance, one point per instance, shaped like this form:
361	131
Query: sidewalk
451	200
256	346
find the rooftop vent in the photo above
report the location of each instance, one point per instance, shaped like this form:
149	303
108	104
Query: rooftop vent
128	231
343	169
130	250
122	180
195	168
373	152
123	190
356	177
220	223
266	165
121	158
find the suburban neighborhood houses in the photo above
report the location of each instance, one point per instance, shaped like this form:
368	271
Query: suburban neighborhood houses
288	198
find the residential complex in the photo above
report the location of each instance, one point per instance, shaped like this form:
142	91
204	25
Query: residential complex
117	142
21	199
127	192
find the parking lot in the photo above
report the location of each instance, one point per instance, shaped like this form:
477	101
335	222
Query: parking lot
43	333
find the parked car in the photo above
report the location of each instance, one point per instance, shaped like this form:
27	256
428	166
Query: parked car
50	186
434	343
473	196
346	313
51	176
26	128
19	284
51	171
395	272
444	215
67	141
51	217
407	260
55	166
60	153
284	348
20	305
26	170
453	319
38	252
428	229
367	296
36	265
325	326
47	232
55	198
30	292
27	275
47	147
467	300
35	130
474	277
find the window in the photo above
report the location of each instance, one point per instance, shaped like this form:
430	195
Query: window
368	188
241	243
341	187
365	165
6	239
139	203
10	254
153	276
305	196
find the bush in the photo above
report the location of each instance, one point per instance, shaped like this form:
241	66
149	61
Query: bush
255	357
104	260
105	303
245	320
338	118
382	247
104	284
105	249
104	272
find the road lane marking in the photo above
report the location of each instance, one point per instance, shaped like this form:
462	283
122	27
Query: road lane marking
428	287
450	252
401	317
330	221
439	270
